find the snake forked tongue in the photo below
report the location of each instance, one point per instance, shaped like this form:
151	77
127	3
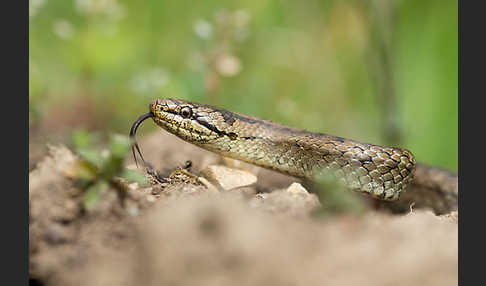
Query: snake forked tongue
133	132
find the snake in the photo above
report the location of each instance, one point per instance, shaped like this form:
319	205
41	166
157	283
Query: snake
383	173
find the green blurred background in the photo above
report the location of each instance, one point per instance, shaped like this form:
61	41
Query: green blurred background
383	72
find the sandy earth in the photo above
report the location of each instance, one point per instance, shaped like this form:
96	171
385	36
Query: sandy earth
184	233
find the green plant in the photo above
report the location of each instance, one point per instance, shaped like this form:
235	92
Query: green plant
97	169
335	199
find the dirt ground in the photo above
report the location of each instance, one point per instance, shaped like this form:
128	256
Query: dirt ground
184	233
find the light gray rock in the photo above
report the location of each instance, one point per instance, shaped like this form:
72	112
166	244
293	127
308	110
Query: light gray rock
226	178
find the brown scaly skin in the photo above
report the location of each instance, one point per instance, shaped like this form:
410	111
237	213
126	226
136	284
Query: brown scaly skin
433	188
301	153
381	172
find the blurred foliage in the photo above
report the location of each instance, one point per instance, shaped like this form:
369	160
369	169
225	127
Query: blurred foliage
348	68
336	199
97	168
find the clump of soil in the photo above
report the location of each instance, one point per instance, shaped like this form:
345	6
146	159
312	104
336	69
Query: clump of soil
186	233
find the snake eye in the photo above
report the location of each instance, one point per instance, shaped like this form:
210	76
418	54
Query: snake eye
186	112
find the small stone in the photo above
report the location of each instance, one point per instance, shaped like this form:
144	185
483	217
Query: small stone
227	178
261	196
297	189
210	187
132	210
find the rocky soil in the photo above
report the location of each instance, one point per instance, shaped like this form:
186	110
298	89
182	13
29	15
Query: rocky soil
224	223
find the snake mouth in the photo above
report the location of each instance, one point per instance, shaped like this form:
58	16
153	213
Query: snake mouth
133	132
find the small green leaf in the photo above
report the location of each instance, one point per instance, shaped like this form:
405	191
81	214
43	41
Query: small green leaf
85	171
119	145
82	139
91	157
93	194
133	176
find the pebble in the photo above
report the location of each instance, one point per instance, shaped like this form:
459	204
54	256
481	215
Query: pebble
297	189
211	188
226	178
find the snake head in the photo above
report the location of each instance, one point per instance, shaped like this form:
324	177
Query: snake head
197	123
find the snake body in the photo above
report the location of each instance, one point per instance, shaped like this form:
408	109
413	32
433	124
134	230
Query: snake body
381	172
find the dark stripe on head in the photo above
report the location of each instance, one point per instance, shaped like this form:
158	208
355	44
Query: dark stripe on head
205	123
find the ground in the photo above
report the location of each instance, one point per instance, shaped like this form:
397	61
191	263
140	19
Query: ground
192	232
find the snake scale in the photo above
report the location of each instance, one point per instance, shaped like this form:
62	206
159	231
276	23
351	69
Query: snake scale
381	172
